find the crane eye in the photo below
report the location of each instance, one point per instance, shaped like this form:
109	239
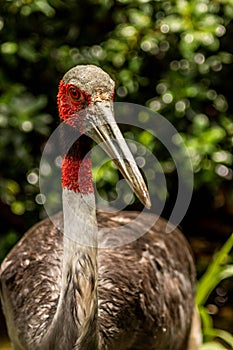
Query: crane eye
75	94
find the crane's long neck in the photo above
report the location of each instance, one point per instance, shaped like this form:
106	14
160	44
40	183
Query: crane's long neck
77	308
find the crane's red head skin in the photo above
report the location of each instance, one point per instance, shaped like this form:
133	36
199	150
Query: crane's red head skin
80	87
72	104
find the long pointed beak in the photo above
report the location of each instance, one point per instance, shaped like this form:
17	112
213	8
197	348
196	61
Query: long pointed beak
102	128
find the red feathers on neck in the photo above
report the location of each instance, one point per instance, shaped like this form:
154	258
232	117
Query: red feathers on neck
77	175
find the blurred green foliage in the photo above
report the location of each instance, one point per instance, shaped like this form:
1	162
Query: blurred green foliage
220	268
174	56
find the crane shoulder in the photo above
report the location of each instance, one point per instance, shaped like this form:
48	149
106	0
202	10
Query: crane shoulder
30	281
146	287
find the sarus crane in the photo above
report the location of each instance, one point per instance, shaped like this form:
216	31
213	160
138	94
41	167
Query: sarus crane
59	294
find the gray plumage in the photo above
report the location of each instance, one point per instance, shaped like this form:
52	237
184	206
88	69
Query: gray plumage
145	288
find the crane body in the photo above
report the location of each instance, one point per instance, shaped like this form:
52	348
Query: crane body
59	291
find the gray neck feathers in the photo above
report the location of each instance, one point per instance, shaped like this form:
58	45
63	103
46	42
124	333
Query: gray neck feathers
75	322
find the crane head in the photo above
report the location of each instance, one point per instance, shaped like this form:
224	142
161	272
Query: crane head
85	101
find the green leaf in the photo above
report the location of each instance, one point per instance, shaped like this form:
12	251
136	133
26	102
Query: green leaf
221	334
212	346
215	273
